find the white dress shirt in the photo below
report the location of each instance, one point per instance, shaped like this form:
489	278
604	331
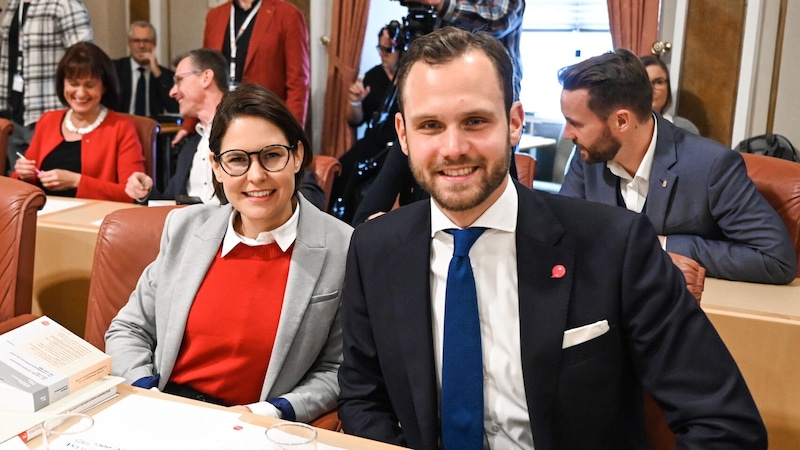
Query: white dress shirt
494	263
200	177
634	189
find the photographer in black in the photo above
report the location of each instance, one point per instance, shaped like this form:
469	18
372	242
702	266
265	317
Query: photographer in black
372	100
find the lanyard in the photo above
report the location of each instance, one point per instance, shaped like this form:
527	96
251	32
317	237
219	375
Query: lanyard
234	38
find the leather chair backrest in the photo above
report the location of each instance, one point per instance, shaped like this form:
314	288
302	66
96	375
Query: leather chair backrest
325	168
526	168
147	129
778	180
128	240
19	202
6	128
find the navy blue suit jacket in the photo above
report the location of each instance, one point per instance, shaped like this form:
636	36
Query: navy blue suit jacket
584	397
701	198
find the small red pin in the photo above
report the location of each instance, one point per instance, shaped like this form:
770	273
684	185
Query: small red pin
558	271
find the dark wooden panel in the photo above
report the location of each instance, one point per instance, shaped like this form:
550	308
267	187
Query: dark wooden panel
710	66
139	10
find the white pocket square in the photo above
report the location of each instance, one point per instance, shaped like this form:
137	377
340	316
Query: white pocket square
585	333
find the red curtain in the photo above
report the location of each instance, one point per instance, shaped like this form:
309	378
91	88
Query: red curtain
633	24
349	23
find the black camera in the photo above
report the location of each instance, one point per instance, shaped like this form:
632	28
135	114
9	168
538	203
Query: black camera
420	20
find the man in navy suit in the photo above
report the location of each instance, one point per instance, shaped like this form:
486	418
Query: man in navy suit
695	191
157	79
578	306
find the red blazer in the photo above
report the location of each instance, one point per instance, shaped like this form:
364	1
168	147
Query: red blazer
109	154
277	57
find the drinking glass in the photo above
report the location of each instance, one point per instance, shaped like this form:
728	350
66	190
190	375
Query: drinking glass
69	431
291	436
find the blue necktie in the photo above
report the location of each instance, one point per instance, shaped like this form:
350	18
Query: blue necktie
462	360
141	92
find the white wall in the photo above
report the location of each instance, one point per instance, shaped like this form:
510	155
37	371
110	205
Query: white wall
787	107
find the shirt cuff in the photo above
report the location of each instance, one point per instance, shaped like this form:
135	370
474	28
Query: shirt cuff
286	409
147	382
265	409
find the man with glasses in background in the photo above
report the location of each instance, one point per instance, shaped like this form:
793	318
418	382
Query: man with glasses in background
144	84
201	80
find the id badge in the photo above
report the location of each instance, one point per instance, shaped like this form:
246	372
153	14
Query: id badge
18	84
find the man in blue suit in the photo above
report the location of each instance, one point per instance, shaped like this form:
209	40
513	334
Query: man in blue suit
695	191
574	305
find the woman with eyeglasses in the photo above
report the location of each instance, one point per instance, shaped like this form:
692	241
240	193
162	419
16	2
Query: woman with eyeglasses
241	305
662	92
86	150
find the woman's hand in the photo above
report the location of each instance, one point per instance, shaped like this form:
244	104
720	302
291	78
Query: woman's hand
25	168
59	179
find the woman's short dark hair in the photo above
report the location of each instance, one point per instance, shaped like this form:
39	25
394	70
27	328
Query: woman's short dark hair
253	100
651	60
614	80
85	59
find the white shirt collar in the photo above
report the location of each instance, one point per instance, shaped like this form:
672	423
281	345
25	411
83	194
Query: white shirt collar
284	235
502	215
645	167
135	67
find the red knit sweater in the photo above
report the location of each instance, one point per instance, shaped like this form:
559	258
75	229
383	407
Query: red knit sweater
232	324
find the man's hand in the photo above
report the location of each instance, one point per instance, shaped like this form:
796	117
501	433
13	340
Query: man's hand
138	186
152	63
357	91
179	136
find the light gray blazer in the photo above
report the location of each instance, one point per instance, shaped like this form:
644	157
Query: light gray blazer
145	337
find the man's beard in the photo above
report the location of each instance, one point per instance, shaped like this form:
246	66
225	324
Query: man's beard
604	149
458	197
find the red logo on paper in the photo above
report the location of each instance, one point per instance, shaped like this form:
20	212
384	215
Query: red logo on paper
45	323
238	427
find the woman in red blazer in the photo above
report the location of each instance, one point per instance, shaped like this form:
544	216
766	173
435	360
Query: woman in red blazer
86	151
277	54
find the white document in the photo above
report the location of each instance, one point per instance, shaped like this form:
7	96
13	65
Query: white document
138	422
54	205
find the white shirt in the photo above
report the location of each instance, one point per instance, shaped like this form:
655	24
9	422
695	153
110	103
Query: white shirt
134	80
284	235
200	177
634	189
494	263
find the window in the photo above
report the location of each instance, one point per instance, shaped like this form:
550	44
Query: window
555	34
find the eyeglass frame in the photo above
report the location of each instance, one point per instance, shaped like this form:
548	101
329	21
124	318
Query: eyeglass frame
141	41
178	77
289	150
387	50
659	82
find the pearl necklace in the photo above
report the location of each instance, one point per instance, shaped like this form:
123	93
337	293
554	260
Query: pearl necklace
83	130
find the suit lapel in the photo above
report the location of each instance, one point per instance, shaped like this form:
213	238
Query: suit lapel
308	257
125	82
409	294
543	306
204	245
662	180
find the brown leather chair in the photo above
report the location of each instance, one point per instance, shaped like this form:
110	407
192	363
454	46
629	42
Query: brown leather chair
778	180
325	168
147	129
6	128
19	202
526	168
17	321
128	240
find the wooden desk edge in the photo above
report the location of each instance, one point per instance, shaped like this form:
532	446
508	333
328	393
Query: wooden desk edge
324	436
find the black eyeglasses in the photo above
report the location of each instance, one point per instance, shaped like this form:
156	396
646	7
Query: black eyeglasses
659	82
389	50
273	158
